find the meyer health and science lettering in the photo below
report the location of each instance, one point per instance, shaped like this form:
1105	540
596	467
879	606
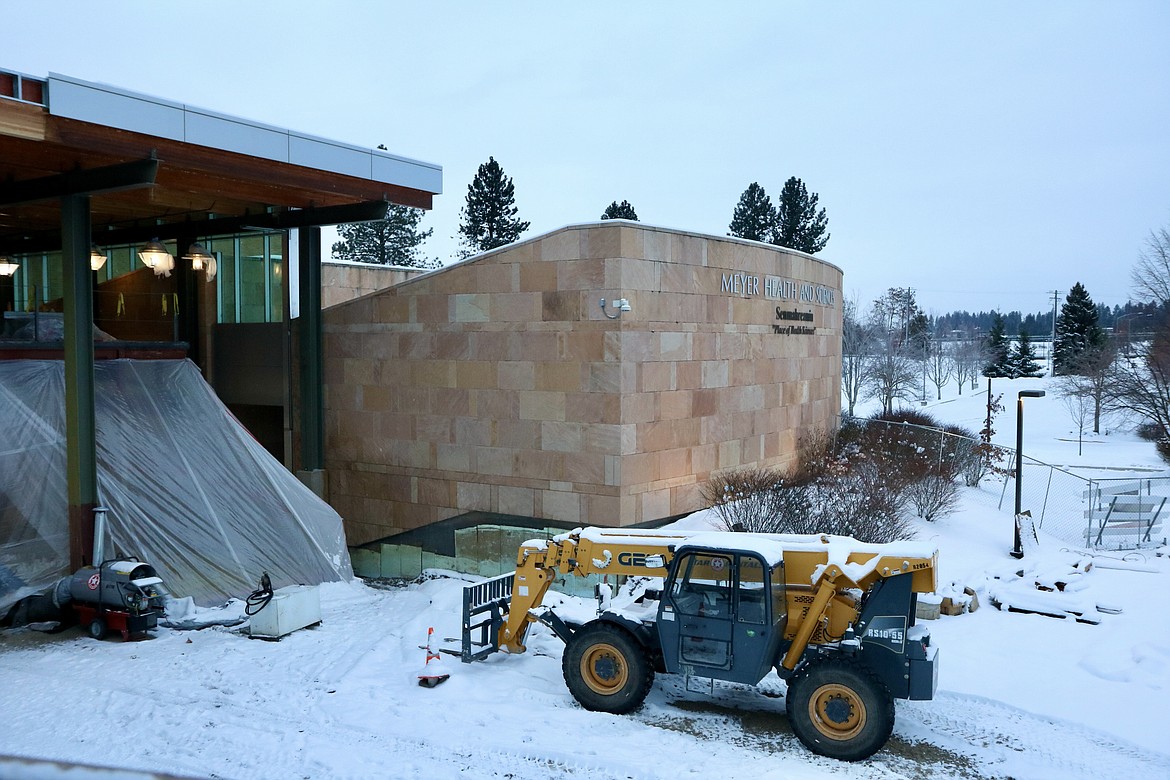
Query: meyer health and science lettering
776	288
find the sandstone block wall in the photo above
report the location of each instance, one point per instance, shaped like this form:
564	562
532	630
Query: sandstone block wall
341	282
498	384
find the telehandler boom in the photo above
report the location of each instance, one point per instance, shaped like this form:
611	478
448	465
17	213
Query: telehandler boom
832	616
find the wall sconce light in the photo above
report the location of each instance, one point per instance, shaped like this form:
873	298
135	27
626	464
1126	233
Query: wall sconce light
621	304
97	258
202	260
7	267
156	257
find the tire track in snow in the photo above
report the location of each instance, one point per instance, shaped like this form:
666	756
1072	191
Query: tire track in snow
1010	740
235	740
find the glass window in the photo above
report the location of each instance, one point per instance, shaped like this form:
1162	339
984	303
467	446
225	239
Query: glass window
704	587
122	260
276	277
253	281
51	275
779	597
34	282
752	594
225	277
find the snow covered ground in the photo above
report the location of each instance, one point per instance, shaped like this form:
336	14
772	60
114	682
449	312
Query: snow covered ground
1021	695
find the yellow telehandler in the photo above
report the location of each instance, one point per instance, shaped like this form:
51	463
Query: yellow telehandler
832	616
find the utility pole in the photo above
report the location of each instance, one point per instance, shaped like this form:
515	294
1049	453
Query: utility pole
1052	344
907	297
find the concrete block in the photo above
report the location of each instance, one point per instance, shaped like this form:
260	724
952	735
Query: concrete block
435	561
929	606
951	607
389	565
366	563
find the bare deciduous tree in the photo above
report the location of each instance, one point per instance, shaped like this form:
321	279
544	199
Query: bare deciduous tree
893	371
940	367
892	375
1140	385
856	341
969	357
1151	275
1090	377
1078	405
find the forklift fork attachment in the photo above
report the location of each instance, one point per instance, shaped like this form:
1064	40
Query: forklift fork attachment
491	597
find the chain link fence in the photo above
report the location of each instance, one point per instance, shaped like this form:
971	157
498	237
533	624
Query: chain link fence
1081	509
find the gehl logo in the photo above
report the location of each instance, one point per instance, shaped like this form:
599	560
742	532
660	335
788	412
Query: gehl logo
640	559
633	559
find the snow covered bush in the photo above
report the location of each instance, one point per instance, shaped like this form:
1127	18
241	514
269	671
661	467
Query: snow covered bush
934	495
862	503
858	481
1149	431
751	498
855	499
1163	448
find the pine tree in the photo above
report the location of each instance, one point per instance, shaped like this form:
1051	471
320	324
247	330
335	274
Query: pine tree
489	215
1078	332
620	211
754	216
897	316
1023	357
391	241
798	223
997	348
918	332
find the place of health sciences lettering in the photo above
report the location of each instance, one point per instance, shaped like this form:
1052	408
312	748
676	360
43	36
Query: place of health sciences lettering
792	315
776	288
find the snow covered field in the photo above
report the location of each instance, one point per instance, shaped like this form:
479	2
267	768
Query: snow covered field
1021	695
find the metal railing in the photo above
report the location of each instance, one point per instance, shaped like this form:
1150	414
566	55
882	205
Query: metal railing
1081	509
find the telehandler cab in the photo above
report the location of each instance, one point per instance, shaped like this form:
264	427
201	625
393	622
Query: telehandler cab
832	616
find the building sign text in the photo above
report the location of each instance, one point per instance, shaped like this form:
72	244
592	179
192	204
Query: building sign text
775	288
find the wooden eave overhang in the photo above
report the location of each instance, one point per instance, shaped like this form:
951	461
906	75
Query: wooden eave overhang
194	183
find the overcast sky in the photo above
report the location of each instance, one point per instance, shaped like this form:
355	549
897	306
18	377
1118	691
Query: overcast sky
984	154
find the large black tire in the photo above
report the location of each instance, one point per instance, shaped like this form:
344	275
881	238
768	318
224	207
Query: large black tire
97	628
606	669
838	709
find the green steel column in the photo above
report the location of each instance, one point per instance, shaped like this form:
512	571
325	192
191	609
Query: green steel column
187	281
80	433
310	338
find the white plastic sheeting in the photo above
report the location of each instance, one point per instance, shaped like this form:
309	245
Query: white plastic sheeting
189	490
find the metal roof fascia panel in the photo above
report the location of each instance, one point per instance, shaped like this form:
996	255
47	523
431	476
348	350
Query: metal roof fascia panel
103	105
329	156
408	173
218	131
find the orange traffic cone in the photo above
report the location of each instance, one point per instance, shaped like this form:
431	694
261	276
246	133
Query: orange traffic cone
431	676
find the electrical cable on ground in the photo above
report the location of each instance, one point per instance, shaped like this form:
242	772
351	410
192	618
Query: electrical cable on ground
260	597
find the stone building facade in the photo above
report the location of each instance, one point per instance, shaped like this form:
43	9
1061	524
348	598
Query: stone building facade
343	281
500	384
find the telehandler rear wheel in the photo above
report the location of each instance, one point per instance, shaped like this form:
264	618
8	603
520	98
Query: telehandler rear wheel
838	709
606	669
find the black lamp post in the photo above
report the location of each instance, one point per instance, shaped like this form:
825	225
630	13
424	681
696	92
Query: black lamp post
1017	550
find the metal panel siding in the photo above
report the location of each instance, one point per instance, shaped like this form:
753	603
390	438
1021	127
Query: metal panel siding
408	173
104	105
74	99
328	156
220	132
